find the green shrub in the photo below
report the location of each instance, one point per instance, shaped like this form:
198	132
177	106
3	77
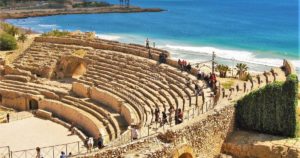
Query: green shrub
56	33
271	109
7	42
91	4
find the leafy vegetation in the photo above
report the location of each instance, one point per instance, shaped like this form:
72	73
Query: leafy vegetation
271	109
91	4
227	84
56	33
80	53
10	29
222	69
242	70
22	37
7	42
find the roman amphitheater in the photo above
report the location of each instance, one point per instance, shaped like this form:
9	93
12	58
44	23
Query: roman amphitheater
106	87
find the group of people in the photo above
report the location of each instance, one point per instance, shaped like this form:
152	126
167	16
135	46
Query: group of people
177	115
62	154
90	142
210	79
184	65
162	58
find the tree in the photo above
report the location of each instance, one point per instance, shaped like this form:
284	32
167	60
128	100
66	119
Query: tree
222	69
22	37
12	30
7	42
241	70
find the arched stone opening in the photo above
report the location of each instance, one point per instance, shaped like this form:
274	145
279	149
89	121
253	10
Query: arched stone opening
33	104
183	151
186	155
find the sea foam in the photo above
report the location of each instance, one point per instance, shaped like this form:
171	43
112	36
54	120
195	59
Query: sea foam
108	37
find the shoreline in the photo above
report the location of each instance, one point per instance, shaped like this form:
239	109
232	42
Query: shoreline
19	14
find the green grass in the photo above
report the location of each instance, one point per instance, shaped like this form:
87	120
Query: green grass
227	84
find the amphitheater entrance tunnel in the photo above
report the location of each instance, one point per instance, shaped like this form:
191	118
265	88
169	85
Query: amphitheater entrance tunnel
77	70
33	104
186	155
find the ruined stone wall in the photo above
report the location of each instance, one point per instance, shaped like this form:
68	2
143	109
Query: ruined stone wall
203	135
289	67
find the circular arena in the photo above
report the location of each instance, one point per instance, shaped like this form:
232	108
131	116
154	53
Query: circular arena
129	99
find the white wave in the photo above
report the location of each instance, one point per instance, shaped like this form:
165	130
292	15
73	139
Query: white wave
243	56
53	26
108	37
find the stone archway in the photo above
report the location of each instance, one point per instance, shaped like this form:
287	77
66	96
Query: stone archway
186	155
183	151
33	104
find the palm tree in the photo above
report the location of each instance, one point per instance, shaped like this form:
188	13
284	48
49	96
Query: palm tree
222	69
241	70
22	37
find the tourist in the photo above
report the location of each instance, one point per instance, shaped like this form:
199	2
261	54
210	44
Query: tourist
147	43
90	143
188	82
134	133
179	64
72	128
149	54
70	154
180	116
245	86
63	155
163	57
237	88
156	113
176	117
38	153
171	111
100	141
7	117
184	65
223	92
189	68
164	118
199	75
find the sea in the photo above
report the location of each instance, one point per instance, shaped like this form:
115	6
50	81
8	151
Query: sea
260	33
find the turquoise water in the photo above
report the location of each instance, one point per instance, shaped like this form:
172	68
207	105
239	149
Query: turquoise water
257	32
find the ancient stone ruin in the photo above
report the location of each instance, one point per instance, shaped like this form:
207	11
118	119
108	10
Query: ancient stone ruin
106	87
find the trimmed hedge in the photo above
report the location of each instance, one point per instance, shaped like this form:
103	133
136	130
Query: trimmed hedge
271	109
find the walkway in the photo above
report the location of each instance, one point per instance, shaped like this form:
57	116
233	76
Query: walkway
32	132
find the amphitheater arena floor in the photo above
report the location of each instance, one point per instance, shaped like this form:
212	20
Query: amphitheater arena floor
32	132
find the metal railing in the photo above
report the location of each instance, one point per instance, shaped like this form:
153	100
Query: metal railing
154	128
74	148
